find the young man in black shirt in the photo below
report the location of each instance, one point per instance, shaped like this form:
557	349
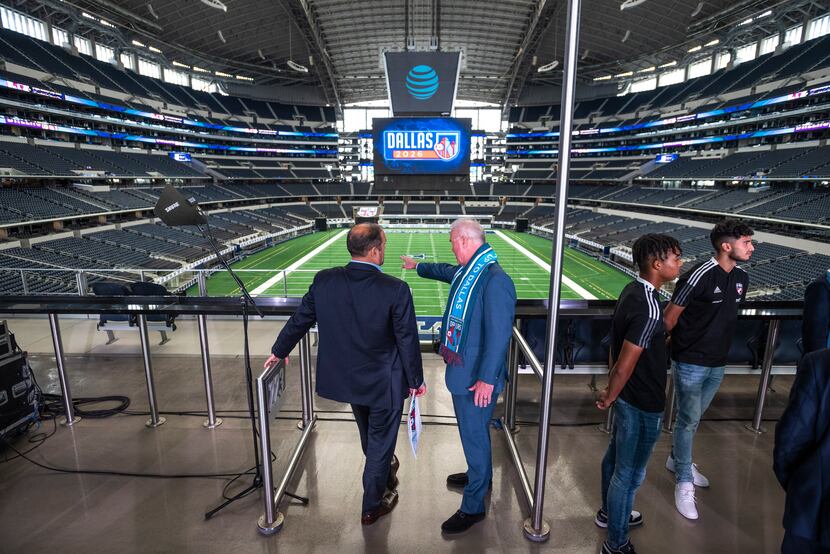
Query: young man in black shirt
701	319
636	386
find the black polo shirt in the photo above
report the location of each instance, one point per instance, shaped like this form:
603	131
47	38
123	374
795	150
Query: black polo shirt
639	320
710	296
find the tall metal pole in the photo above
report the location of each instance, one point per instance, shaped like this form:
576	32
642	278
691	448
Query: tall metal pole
212	421
154	420
535	528
766	371
66	394
307	393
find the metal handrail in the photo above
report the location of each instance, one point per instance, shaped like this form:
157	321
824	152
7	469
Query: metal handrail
534	362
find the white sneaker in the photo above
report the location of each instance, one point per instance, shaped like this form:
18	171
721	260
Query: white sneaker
699	478
684	500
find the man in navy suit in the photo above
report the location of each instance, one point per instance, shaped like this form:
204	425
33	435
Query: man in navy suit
476	331
368	354
802	458
816	323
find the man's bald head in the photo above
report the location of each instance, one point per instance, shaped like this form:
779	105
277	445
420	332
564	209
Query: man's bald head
363	237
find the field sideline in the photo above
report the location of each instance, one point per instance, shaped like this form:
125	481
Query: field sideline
526	258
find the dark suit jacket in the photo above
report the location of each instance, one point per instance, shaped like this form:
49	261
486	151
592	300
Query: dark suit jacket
488	332
368	351
802	451
816	322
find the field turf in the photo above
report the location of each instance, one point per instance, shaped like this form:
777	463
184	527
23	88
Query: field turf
524	257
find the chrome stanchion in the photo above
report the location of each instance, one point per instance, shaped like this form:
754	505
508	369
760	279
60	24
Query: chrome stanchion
24	282
512	387
272	520
668	414
212	421
535	528
154	420
80	280
608	425
766	370
305	382
66	395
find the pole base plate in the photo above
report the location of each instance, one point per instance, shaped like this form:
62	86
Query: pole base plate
536	535
159	423
206	424
272	529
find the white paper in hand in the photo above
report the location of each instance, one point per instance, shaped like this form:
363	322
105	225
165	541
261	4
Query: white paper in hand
414	424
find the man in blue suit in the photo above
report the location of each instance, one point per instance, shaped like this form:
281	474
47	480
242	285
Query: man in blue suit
802	458
476	331
368	354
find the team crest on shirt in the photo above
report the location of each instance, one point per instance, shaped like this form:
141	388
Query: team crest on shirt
739	288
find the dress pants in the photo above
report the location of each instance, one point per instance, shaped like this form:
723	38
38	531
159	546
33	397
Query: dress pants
474	428
378	434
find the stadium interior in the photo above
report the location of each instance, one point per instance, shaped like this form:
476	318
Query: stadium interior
686	113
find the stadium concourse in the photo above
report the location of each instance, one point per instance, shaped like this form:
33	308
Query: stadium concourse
144	144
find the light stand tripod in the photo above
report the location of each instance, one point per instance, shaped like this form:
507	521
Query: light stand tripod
246	300
174	209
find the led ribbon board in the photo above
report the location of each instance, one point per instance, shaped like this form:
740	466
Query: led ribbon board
439	146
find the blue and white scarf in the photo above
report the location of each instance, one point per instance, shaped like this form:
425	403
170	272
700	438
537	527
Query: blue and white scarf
461	302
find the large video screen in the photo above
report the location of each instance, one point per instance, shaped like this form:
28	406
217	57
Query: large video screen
422	83
421	146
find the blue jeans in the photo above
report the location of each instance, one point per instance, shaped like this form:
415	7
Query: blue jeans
695	387
624	465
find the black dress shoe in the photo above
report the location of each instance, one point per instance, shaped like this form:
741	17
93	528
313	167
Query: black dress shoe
460	522
457	480
392	481
387	504
460	480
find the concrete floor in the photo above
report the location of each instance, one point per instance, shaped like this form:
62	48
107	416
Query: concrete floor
43	510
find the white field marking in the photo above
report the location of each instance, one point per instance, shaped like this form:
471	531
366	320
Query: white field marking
541	263
296	265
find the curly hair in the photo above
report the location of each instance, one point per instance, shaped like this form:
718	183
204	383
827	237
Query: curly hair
653	246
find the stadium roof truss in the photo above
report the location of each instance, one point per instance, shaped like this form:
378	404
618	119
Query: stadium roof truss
338	44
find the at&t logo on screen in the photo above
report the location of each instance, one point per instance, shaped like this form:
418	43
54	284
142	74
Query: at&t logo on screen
422	82
421	145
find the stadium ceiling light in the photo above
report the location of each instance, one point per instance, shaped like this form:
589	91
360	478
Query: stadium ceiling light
296	67
242	78
216	4
603	78
695	49
200	69
646	70
628	4
221	74
154	49
141	44
669	64
548	67
712	42
625	74
180	64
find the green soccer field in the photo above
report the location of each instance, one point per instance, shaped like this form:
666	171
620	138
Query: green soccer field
289	267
